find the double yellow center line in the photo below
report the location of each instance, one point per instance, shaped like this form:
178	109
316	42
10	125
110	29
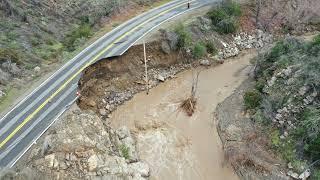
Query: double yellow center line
26	120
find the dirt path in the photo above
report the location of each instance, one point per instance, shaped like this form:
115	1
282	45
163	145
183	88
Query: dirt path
177	146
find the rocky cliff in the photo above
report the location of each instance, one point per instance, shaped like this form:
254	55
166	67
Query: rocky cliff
82	146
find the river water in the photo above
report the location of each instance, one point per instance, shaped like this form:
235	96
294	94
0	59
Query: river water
177	146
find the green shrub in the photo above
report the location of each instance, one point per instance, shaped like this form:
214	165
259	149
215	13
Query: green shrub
225	18
125	151
286	29
312	148
278	50
260	118
252	99
316	40
184	37
9	54
83	31
311	121
227	25
260	84
232	9
199	50
275	138
211	48
217	15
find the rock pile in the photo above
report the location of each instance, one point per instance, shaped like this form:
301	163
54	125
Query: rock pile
88	149
8	70
286	117
242	41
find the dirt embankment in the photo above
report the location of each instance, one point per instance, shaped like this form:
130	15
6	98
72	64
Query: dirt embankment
112	81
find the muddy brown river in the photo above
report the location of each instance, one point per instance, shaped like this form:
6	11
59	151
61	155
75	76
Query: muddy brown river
177	146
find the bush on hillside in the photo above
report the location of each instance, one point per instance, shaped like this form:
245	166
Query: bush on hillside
225	18
184	37
83	31
199	50
7	54
316	40
211	48
232	9
227	25
217	15
294	64
252	99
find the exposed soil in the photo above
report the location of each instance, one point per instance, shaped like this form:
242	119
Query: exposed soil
126	73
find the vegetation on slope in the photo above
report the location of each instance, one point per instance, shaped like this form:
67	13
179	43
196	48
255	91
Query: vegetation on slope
287	101
225	18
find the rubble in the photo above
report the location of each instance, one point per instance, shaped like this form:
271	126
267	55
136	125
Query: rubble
243	40
87	148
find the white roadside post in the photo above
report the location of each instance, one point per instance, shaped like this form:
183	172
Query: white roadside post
145	66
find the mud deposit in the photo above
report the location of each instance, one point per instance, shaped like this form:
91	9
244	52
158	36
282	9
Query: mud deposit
174	145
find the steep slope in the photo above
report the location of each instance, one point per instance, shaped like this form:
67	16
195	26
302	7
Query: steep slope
36	35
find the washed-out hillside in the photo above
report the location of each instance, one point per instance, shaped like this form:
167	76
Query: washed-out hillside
35	33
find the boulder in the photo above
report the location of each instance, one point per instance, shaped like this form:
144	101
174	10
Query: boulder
170	38
165	47
123	132
205	62
204	24
303	90
293	174
93	162
160	78
102	112
4	77
2	94
129	142
12	68
37	69
51	161
305	175
141	168
91	103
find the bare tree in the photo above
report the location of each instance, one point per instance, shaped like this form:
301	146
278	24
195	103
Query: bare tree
189	105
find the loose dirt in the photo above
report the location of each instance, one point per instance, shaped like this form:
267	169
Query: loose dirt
177	146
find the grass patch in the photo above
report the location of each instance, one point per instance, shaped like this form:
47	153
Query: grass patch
227	25
83	31
184	37
211	48
199	50
125	151
11	95
9	54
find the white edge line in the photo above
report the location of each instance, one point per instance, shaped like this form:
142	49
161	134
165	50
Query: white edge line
79	54
156	26
67	107
36	139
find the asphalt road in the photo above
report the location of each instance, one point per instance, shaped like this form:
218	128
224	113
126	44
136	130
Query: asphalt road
28	120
